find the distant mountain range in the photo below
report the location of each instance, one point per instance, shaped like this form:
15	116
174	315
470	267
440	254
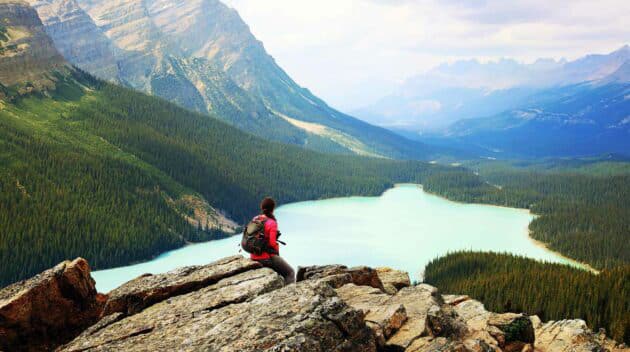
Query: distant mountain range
471	89
505	109
578	120
201	55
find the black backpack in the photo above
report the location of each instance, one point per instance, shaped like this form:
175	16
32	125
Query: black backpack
254	239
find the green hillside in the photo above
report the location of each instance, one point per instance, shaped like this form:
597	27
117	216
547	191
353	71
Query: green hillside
506	283
94	170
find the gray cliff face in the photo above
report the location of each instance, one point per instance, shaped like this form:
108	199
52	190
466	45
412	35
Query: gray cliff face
26	52
201	55
234	304
129	41
77	38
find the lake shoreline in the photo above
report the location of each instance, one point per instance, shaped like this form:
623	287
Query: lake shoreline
577	263
327	210
574	262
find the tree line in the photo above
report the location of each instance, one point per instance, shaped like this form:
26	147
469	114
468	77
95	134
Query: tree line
508	283
580	215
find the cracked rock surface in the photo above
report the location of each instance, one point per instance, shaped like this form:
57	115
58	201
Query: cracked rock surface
247	312
234	304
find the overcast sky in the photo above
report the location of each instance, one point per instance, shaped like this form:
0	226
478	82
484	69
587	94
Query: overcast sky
351	52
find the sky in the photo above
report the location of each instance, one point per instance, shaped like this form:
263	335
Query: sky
353	52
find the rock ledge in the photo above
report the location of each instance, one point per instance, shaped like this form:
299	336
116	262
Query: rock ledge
236	305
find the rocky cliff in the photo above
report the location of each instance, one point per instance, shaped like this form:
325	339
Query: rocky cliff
77	38
28	57
236	305
202	55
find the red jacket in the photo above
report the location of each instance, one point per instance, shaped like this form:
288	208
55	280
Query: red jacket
271	233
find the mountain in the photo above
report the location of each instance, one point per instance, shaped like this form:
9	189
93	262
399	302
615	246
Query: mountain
201	55
28	58
93	169
234	304
471	89
583	119
77	38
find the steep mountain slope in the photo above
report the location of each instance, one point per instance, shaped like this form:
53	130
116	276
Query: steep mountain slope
77	38
201	55
471	89
583	119
28	57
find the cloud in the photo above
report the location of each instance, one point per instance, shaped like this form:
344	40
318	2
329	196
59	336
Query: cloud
352	52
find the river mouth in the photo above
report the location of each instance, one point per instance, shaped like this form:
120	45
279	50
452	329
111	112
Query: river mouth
404	228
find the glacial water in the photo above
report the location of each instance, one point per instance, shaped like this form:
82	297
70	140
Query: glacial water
404	228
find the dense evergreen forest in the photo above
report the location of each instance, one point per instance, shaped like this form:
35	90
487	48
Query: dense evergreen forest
90	172
581	214
507	283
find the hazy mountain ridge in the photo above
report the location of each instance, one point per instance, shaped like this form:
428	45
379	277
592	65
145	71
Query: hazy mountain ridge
470	89
582	119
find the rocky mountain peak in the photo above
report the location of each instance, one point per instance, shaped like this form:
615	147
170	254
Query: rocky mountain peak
234	304
201	55
28	57
77	37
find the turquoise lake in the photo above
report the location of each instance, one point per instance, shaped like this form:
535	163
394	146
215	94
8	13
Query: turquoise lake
404	228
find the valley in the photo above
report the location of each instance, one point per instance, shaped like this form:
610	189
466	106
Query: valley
142	135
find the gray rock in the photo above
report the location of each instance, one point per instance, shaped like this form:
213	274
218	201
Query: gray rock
28	55
146	290
571	336
454	300
475	315
393	280
417	300
339	275
445	322
77	37
236	315
236	305
383	317
513	331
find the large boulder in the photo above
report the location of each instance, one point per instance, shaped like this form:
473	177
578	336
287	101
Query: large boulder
339	275
417	300
146	290
571	336
443	321
48	309
507	332
393	280
512	331
247	312
383	317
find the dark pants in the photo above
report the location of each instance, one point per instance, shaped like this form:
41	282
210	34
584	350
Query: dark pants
280	266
